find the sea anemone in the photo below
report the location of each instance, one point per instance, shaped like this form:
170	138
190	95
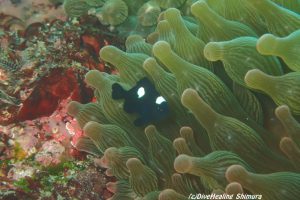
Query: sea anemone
225	82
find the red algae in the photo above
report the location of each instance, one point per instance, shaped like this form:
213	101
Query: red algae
45	98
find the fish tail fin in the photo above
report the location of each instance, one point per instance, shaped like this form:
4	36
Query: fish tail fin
117	91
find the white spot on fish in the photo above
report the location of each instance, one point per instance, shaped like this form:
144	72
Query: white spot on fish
160	100
141	92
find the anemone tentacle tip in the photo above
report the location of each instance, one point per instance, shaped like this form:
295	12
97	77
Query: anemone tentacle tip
235	173
188	96
182	163
160	48
282	111
73	108
149	62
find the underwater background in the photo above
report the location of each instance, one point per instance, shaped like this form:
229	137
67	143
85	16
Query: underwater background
149	99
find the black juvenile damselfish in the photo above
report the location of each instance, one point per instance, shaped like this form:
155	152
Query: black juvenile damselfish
144	100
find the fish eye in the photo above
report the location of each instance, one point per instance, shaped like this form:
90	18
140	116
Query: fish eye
141	92
160	100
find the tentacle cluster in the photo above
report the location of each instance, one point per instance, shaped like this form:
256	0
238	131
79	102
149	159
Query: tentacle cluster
227	71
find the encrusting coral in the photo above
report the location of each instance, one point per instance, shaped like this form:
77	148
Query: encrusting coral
217	68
